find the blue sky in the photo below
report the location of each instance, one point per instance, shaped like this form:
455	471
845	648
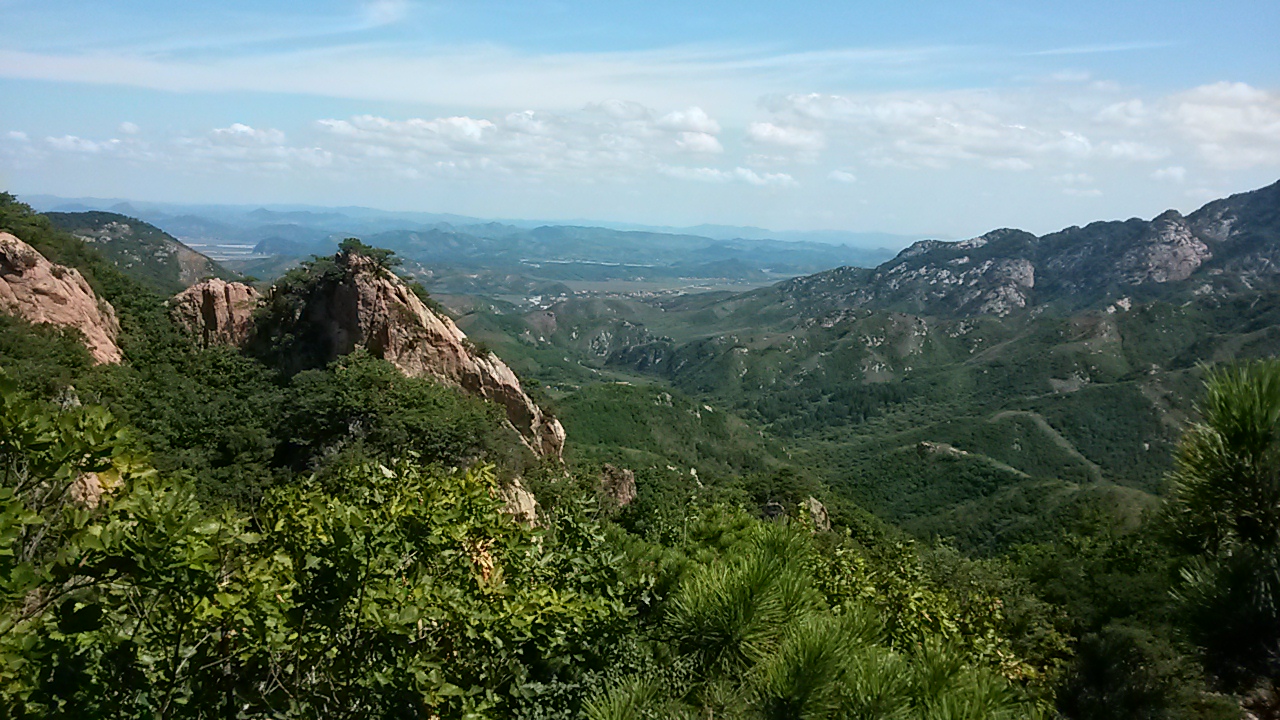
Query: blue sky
945	118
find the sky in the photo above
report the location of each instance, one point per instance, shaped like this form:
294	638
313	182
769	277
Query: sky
936	117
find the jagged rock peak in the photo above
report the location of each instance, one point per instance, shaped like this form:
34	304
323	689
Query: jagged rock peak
39	291
369	306
216	311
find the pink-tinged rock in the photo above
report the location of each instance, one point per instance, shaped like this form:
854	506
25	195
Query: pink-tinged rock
38	291
216	311
371	307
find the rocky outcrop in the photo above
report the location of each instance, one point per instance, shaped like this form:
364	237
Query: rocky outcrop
38	291
216	311
369	306
519	502
618	485
818	515
1168	253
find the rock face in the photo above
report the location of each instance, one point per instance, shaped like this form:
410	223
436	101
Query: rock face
368	306
817	514
1168	253
38	291
216	311
520	503
618	484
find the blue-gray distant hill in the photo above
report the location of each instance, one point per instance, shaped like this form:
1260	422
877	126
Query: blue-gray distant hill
264	241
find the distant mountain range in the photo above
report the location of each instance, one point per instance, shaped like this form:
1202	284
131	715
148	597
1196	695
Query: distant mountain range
1225	247
458	254
366	219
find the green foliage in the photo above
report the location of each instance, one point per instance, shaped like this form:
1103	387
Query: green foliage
642	426
385	259
393	591
360	399
1124	671
755	632
1226	511
44	359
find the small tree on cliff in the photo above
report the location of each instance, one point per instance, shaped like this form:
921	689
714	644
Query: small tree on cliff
354	246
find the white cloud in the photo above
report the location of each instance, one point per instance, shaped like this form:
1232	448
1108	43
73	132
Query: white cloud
842	176
754	178
698	174
713	175
767	133
1130	113
244	135
17	136
1232	125
74	144
1173	173
243	147
1082	192
698	142
694	119
610	139
128	128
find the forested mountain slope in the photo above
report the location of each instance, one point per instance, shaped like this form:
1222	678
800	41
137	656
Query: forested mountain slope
1067	363
143	250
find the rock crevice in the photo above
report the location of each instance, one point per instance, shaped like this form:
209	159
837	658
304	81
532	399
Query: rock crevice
216	311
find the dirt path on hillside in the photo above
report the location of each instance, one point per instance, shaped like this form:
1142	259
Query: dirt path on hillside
1053	434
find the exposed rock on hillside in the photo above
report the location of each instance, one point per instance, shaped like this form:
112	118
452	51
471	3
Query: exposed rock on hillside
363	304
1169	252
38	291
1226	244
618	484
817	514
519	502
217	311
143	251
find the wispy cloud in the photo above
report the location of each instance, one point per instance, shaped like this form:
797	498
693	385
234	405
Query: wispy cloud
471	76
379	13
1105	48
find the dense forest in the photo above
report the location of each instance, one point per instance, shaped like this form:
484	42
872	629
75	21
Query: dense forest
200	531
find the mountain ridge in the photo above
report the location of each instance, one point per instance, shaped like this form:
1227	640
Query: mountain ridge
142	249
1224	243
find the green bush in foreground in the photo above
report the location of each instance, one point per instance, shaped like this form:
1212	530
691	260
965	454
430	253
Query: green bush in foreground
394	592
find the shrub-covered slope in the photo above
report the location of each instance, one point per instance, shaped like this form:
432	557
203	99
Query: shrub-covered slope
141	250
